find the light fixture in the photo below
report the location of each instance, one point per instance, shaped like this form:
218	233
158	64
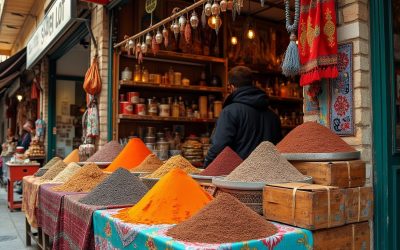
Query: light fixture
250	33
234	40
19	98
213	22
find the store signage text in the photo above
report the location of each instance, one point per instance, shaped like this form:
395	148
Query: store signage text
56	20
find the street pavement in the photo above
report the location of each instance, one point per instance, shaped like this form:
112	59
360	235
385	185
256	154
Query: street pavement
12	227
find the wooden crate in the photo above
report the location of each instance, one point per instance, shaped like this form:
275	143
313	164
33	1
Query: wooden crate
353	236
339	173
359	204
312	209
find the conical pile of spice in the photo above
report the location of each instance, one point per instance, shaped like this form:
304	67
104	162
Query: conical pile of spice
72	157
120	188
84	180
176	161
107	153
65	174
53	171
223	164
311	137
173	199
46	167
265	164
150	164
223	220
131	156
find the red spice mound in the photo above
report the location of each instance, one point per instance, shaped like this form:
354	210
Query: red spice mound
223	220
223	164
311	137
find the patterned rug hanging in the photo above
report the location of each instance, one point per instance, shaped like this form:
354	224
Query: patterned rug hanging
317	40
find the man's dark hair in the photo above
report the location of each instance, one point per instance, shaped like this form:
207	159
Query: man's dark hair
240	76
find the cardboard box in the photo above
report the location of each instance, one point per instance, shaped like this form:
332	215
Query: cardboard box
353	236
359	204
303	205
339	173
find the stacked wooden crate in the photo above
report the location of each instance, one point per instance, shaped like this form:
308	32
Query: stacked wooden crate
337	208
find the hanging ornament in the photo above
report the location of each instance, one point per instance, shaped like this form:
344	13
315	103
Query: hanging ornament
143	48
155	47
172	26
234	9
131	46
182	23
165	36
215	8
207	9
291	61
239	6
140	57
262	3
229	5
175	28
203	19
148	39
159	37
223	5
138	49
194	20
188	33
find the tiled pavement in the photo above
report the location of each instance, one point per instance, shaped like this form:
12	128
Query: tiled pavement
12	227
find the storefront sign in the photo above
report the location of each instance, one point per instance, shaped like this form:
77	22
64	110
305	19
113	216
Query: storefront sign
57	20
150	5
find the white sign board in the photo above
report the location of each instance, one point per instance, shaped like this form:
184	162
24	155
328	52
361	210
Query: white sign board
58	17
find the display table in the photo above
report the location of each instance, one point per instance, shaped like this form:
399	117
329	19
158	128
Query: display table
112	233
15	173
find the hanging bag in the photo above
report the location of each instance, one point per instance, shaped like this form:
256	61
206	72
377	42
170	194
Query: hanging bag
92	83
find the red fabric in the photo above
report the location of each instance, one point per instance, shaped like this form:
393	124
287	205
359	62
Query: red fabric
317	40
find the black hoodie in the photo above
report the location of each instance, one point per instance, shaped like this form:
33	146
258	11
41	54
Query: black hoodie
244	122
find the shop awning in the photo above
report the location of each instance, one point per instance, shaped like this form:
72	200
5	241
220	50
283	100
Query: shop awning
12	68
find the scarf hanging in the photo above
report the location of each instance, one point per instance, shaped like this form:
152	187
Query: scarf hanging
317	40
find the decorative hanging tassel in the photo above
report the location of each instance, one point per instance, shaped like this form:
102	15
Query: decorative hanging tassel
291	62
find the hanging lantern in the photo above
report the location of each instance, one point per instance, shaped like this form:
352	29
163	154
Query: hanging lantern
138	49
182	23
229	5
131	45
148	39
194	20
159	37
143	48
215	8
176	29
234	40
223	5
207	9
215	23
165	36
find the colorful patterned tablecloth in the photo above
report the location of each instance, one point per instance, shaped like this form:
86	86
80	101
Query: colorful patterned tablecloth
111	233
76	231
30	188
50	216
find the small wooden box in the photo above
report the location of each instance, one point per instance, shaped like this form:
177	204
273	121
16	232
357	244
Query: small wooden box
339	173
352	236
359	204
314	207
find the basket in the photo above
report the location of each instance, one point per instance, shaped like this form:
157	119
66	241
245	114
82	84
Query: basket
251	198
149	182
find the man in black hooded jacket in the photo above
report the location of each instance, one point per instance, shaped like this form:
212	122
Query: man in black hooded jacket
245	120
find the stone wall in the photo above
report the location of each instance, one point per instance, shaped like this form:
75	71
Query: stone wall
353	27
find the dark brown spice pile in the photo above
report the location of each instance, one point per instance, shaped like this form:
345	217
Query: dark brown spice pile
107	153
223	164
120	188
223	220
311	137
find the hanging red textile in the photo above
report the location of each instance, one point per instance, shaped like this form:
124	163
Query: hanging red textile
317	40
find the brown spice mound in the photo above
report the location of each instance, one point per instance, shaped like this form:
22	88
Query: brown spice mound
84	180
44	169
54	170
265	164
176	161
107	153
150	164
223	164
223	220
311	137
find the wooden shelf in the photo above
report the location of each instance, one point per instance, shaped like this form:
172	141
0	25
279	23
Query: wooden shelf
285	99
124	83
164	54
164	119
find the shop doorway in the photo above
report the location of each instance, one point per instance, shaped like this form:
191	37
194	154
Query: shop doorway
385	61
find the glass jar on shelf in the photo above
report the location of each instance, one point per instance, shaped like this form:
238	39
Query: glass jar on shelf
137	75
145	75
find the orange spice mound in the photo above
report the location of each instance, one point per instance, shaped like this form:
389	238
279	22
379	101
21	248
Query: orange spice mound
130	157
72	157
84	180
311	137
174	198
